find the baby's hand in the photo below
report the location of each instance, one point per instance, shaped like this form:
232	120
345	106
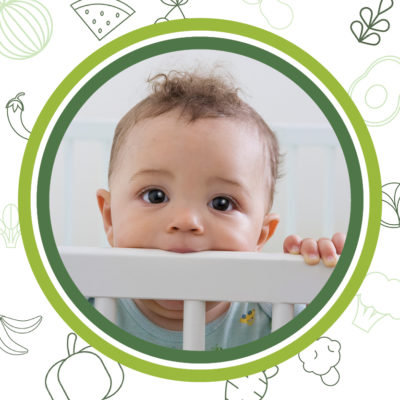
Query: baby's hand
312	250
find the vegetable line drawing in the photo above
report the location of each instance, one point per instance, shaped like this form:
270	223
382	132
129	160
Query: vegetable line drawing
378	297
9	225
15	108
25	28
278	14
84	374
376	94
252	387
391	205
102	17
321	358
176	10
8	325
361	29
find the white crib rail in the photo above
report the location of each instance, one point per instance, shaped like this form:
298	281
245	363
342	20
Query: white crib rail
110	273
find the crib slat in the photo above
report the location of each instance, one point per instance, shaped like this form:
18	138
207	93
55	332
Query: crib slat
281	314
194	320
108	307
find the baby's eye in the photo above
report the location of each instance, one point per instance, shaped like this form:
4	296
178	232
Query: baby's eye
154	196
221	203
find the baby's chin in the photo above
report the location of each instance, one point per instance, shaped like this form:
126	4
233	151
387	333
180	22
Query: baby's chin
172	305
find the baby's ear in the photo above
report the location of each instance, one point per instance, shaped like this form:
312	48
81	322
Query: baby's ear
104	202
270	223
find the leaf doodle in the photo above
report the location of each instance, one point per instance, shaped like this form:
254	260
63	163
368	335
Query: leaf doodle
365	30
391	205
9	225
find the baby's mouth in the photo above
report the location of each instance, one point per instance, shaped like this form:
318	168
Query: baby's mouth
182	250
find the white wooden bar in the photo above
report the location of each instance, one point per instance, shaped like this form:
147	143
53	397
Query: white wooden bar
110	273
194	327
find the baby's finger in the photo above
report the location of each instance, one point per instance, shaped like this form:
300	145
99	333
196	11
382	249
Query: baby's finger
292	244
309	250
327	251
338	240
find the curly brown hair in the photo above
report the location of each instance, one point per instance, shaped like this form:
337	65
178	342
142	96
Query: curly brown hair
196	96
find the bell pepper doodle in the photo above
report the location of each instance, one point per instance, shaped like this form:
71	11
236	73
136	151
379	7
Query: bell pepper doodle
84	374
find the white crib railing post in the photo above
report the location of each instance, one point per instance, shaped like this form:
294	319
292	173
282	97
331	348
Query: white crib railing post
282	313
194	325
108	307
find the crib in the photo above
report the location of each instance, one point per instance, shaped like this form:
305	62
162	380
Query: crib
282	280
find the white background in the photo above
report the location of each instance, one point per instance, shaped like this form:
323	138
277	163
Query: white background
369	361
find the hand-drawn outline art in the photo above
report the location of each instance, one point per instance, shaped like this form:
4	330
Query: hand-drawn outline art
321	358
378	297
176	6
84	374
25	29
376	93
8	325
9	225
15	108
391	205
252	387
102	17
279	15
371	23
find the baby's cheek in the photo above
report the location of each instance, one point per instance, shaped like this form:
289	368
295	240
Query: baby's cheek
240	238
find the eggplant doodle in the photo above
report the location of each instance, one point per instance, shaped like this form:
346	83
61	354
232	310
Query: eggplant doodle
15	109
7	325
84	374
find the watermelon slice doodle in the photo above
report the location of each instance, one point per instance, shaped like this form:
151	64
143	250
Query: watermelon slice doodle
102	17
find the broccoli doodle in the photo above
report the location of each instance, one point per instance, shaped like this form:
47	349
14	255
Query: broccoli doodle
379	297
321	359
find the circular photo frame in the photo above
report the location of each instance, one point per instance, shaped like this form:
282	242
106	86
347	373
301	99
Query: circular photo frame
259	45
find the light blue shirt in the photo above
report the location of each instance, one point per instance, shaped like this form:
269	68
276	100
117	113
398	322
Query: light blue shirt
241	324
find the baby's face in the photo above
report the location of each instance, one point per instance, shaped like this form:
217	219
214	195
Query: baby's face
187	187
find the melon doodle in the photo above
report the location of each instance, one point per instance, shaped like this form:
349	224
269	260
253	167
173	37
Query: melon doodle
102	17
84	374
26	28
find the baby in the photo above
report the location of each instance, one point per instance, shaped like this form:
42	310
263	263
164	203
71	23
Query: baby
193	168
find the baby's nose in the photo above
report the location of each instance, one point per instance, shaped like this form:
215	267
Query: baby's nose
186	220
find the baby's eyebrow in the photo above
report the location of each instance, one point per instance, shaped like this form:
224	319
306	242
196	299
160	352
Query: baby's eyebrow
150	171
229	181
